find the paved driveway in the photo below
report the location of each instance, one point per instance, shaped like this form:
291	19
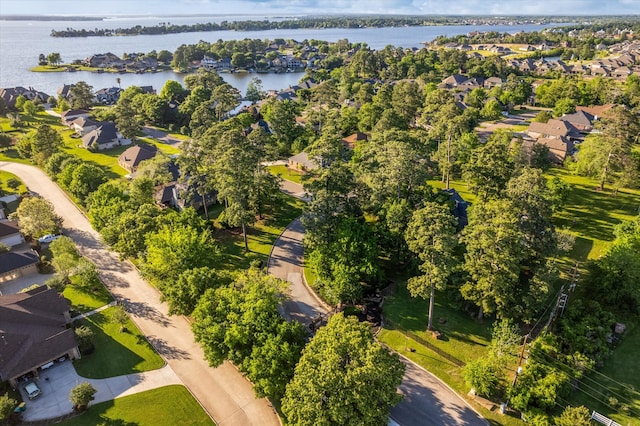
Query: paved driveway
17	285
427	400
223	392
56	383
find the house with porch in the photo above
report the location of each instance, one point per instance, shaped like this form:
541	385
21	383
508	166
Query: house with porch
104	136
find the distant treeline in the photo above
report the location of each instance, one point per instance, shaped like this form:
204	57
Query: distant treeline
310	23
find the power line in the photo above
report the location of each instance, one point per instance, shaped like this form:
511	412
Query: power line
600	393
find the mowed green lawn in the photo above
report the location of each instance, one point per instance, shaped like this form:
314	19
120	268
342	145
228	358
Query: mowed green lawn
85	298
286	173
116	353
4	178
166	406
260	236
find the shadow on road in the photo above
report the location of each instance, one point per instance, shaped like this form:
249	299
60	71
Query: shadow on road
143	310
167	351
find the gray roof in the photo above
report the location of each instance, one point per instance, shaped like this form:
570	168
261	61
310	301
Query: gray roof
12	261
105	133
8	227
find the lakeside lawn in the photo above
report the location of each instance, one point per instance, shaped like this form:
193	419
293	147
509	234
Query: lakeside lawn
166	406
116	353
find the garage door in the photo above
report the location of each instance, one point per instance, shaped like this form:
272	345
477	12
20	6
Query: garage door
12	240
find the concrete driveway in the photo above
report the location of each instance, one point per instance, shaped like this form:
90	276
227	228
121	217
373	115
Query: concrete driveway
56	383
224	393
17	285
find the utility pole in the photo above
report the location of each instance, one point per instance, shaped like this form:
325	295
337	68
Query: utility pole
519	369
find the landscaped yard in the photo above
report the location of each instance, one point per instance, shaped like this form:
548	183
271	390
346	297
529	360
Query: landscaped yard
4	178
286	173
166	406
85	298
116	352
260	236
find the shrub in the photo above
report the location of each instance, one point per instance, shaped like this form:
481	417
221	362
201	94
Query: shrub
483	375
81	395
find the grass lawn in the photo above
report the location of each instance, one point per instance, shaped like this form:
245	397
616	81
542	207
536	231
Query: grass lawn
463	340
286	173
260	236
116	352
85	298
11	154
4	177
591	214
166	406
622	382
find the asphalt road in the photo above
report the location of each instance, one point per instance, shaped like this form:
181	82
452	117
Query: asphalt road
427	401
224	393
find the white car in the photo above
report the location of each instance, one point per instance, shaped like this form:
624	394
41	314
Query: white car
48	238
32	390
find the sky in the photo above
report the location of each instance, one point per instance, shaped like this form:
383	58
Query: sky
311	7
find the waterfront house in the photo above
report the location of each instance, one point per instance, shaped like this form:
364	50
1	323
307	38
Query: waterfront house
104	136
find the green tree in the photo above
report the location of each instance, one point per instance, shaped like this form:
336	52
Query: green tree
574	416
85	178
54	58
40	144
81	395
240	322
85	337
30	108
183	295
490	167
172	91
127	120
343	377
431	236
493	256
174	249
255	92
36	217
483	375
82	96
564	106
607	159
65	255
7	404
120	317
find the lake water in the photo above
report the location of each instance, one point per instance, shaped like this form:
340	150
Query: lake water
21	42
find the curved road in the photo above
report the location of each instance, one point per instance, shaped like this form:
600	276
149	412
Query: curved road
224	393
427	400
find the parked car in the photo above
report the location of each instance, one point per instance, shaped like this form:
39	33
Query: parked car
48	238
32	390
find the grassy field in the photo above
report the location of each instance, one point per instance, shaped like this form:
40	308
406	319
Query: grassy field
84	298
286	173
260	236
116	352
166	406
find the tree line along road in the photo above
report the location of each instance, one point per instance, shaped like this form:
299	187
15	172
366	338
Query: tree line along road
223	392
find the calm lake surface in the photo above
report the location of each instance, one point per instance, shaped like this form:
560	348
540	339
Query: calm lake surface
21	42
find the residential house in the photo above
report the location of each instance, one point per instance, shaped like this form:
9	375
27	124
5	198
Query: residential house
453	81
559	148
553	129
133	156
104	136
180	195
71	114
104	60
83	125
10	95
581	120
492	82
65	91
35	332
351	141
459	207
10	234
108	96
15	265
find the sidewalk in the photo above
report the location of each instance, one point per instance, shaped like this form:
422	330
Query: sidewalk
100	309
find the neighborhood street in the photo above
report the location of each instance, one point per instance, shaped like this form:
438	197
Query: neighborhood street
224	393
427	400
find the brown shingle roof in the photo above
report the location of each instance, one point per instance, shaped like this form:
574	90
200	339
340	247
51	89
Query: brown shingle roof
33	328
8	227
